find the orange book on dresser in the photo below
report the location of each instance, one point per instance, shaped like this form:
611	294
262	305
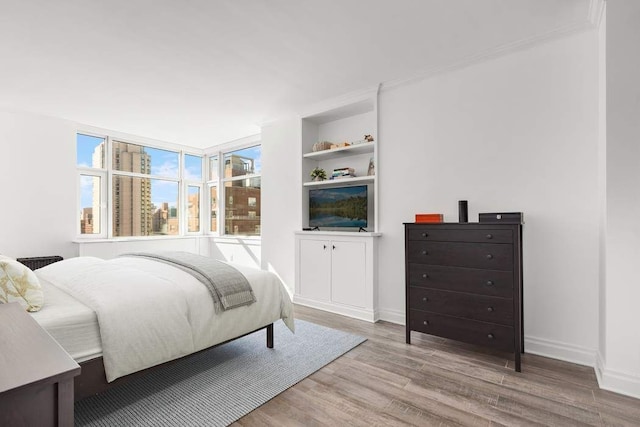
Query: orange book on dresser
430	217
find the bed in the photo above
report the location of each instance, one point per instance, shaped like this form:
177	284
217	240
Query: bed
120	317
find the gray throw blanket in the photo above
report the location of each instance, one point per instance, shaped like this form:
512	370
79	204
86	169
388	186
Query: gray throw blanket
228	287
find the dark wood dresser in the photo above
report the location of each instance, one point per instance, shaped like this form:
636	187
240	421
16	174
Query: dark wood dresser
36	374
464	282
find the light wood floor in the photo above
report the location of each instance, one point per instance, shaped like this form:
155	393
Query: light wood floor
433	381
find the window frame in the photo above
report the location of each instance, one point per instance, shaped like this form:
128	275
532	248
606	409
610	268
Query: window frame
107	174
102	173
220	152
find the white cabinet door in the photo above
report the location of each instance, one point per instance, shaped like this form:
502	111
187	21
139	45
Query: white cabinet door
315	269
348	273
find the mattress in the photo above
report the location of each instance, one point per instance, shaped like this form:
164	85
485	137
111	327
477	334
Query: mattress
72	324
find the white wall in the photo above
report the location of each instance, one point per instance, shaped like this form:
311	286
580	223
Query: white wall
516	133
620	369
38	181
281	197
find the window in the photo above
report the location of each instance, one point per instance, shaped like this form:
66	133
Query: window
90	197
193	213
145	190
90	161
146	187
238	178
214	208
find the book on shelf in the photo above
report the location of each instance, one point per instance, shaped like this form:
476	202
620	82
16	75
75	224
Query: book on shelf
429	217
343	172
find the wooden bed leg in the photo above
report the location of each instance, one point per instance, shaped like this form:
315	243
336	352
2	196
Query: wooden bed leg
270	336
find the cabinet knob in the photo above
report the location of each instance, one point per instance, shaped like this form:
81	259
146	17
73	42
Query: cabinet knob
489	236
490	336
333	246
425	323
324	246
425	299
425	234
490	309
424	252
425	276
489	256
489	283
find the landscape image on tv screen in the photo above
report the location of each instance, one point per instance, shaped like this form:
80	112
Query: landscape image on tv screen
338	207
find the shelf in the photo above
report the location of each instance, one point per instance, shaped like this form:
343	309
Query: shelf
341	182
366	147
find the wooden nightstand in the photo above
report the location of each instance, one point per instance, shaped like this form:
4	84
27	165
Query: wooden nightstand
36	374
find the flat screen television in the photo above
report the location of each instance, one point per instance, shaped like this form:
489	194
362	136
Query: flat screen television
338	207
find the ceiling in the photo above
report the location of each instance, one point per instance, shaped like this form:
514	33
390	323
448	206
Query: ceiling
204	72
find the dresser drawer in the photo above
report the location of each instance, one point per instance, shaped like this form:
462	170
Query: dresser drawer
472	280
477	255
451	235
477	307
471	331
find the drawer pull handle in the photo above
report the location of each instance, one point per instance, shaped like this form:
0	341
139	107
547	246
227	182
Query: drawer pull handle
490	336
424	252
425	234
490	309
425	323
425	299
489	283
489	256
425	276
489	236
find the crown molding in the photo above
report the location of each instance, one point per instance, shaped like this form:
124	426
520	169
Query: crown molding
595	13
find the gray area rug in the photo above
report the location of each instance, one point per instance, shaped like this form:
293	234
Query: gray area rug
218	386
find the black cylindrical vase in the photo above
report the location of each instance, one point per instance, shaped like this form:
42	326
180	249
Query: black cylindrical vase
463	213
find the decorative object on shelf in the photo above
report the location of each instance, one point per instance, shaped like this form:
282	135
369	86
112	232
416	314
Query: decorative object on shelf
463	212
339	145
368	138
343	173
430	217
318	174
371	171
321	146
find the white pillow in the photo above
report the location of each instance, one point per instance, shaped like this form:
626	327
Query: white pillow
19	284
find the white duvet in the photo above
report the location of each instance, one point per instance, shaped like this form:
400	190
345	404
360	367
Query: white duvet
150	312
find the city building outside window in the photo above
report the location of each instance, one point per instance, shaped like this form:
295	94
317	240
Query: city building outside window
238	177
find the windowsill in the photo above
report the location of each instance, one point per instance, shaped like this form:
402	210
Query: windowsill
138	238
230	237
152	238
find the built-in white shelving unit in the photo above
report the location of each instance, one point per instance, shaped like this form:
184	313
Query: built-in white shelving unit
348	121
336	269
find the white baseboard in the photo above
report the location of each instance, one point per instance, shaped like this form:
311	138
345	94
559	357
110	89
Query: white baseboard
393	316
617	381
345	310
559	350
